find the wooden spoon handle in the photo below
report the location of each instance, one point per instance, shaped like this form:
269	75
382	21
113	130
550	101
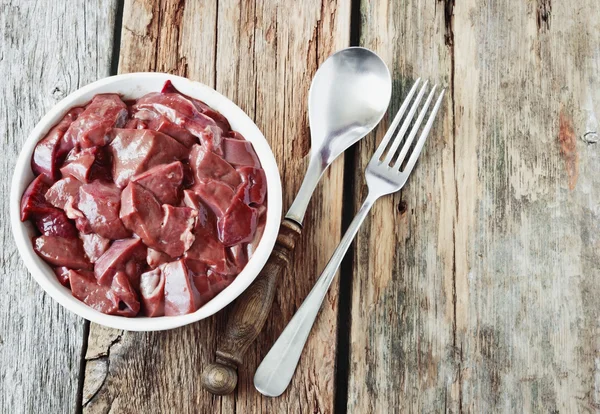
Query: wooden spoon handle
249	314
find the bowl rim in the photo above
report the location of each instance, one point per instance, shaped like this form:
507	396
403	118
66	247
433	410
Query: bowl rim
44	275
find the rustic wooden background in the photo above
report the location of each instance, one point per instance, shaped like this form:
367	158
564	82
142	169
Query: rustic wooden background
475	289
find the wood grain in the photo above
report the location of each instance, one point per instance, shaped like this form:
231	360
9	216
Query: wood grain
482	296
47	50
262	55
402	357
527	256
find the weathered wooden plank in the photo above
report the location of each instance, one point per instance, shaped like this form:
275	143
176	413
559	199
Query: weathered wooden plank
47	50
401	347
491	304
262	55
527	257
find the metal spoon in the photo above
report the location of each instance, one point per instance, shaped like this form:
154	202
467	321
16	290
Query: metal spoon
348	97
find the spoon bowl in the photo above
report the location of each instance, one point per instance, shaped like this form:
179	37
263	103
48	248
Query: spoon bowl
348	96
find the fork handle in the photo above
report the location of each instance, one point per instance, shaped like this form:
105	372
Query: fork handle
249	314
276	370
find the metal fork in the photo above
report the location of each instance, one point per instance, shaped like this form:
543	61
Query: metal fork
383	177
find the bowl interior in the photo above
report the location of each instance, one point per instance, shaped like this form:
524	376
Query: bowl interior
132	86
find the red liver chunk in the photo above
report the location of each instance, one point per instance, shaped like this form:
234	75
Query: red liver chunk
254	185
100	203
176	235
63	191
88	164
181	296
62	274
128	255
210	285
141	213
61	251
164	181
162	124
240	153
216	195
155	258
152	289
55	223
33	201
93	125
238	224
49	152
136	150
117	299
94	245
207	166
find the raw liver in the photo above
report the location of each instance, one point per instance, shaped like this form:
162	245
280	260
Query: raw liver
152	289
51	149
164	181
128	255
62	251
208	166
151	206
100	203
181	296
136	150
93	125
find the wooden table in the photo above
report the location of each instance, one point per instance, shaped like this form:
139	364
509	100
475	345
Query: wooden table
475	289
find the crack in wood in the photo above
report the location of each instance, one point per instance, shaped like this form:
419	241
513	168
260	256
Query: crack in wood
104	360
543	14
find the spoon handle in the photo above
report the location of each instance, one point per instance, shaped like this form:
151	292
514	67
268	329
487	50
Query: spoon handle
277	368
249	314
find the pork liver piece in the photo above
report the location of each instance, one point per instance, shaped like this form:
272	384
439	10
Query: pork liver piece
93	125
141	213
155	258
33	201
88	164
164	181
55	223
254	185
100	203
136	150
128	255
152	289
51	149
216	195
238	224
117	299
61	251
94	245
62	191
162	124
176	235
208	166
181	296
240	153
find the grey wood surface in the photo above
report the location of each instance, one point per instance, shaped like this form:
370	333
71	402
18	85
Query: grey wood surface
47	50
482	294
474	290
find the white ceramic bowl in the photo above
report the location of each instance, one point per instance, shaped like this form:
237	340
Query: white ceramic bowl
130	86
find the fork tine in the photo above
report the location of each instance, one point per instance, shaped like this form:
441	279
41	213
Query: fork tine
396	121
414	130
419	145
404	127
